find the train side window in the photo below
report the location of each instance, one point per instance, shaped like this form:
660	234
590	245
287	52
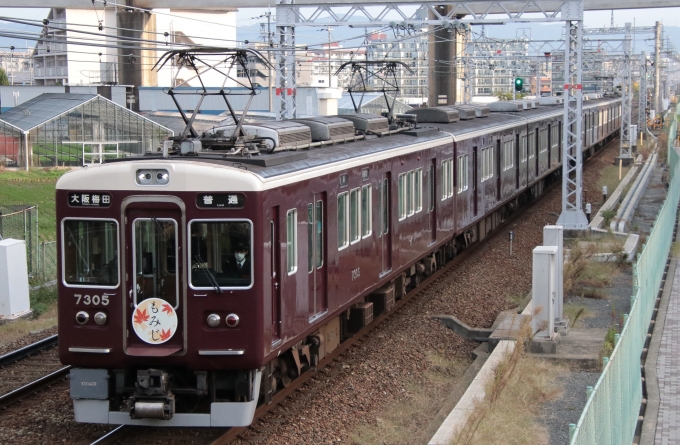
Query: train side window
531	145
487	163
343	221
462	173
366	211
555	136
522	149
508	155
401	185
314	235
431	187
385	206
543	140
291	241
418	189
310	237
447	178
354	215
409	193
319	233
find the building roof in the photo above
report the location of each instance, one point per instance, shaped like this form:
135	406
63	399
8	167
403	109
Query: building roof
43	108
370	100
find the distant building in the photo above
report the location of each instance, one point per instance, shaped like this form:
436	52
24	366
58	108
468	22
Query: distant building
18	65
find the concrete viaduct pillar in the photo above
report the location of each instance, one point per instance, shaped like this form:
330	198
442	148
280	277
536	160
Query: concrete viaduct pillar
134	64
442	72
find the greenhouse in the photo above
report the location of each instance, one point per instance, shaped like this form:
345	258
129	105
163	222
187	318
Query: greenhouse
73	130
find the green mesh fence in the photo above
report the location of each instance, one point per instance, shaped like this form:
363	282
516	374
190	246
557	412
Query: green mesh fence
611	412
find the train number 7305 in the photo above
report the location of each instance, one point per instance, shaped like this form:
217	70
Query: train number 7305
95	300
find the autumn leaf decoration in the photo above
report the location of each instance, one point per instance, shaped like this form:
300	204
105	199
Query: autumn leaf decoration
167	308
165	334
141	316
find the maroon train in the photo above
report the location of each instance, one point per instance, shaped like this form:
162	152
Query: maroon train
196	282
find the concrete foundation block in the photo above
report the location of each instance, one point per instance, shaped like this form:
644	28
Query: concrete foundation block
541	346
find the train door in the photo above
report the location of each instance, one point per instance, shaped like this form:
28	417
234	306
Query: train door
316	251
497	167
432	188
275	271
154	240
517	150
385	233
475	157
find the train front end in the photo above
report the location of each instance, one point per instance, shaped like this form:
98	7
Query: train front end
159	313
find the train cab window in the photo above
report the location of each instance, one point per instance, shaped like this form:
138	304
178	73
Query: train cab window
354	215
418	190
221	254
462	173
291	241
90	253
154	254
366	211
343	221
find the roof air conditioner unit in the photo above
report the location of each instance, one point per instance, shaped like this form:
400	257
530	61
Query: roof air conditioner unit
328	128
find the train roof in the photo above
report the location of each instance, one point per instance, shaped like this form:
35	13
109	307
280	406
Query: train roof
272	170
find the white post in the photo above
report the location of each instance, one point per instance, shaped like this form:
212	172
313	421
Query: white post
543	292
554	236
14	299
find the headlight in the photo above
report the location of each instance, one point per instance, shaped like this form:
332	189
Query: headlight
213	320
82	317
100	318
162	177
144	177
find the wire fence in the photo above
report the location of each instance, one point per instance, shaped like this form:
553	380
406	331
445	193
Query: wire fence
611	412
21	222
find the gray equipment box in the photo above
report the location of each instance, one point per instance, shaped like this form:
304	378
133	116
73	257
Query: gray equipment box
89	383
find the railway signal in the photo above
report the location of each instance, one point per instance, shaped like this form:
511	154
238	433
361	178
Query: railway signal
519	84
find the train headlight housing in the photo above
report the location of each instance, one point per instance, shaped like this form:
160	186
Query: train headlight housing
162	177
100	318
144	177
232	320
82	317
213	320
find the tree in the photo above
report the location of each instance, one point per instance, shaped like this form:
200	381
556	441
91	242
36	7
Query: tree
3	77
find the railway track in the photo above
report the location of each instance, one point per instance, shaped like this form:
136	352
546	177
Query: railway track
28	369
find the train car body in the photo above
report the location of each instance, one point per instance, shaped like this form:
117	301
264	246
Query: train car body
194	286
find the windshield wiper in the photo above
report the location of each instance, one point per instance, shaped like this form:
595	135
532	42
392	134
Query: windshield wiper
208	274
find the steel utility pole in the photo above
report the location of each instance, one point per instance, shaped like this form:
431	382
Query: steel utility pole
657	68
625	147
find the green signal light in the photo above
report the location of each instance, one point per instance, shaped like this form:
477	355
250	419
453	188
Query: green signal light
519	83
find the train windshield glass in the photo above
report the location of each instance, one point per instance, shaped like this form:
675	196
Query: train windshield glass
90	252
220	254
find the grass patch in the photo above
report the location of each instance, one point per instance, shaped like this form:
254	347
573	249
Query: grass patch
576	313
609	343
514	398
11	332
403	422
675	250
33	187
609	176
43	299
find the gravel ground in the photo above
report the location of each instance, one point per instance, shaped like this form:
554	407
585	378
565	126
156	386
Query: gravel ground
27	340
392	367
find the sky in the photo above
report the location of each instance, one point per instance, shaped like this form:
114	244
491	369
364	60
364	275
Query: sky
246	17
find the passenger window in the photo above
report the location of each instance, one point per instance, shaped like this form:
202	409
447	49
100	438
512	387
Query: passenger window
366	211
354	215
291	241
402	196
418	189
385	206
343	221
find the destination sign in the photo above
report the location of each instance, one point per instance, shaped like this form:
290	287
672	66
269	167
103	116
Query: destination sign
221	200
89	199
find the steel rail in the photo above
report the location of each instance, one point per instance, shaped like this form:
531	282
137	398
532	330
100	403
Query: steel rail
20	393
29	350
